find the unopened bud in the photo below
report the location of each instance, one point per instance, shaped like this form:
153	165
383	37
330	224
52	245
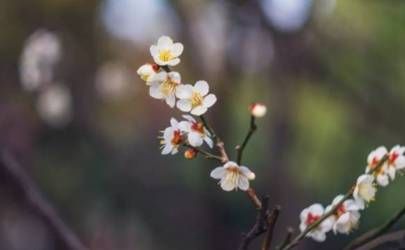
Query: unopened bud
190	153
257	109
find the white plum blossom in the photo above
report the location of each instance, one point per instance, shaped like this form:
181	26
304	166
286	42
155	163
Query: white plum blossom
163	86
373	161
172	138
396	161
232	176
365	190
346	217
165	52
257	109
147	72
196	132
311	215
195	99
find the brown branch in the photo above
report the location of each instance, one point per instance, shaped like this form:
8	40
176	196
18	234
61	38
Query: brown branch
240	148
218	142
251	193
271	223
287	238
349	194
398	236
376	232
37	202
259	227
207	154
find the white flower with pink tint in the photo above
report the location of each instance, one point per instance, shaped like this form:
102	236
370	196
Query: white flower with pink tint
373	161
396	161
147	71
346	217
232	176
196	132
311	215
195	99
257	109
172	138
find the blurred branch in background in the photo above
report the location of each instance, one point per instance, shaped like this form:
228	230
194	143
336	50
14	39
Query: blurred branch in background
34	199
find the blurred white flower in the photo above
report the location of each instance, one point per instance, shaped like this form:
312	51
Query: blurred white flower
396	160
41	52
147	72
195	99
257	109
365	190
114	80
172	138
347	215
375	157
312	214
54	105
232	176
373	160
166	52
196	132
163	86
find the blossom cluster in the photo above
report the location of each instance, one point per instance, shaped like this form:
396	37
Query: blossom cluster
191	133
382	166
166	85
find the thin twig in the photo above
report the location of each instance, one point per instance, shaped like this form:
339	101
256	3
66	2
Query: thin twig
259	227
271	223
37	202
207	154
349	194
253	197
240	148
376	232
218	142
398	236
287	238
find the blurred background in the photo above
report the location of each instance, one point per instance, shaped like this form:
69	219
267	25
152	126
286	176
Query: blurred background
79	120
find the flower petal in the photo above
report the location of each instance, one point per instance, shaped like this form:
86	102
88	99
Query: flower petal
199	110
246	172
184	91
201	87
218	173
243	183
154	91
177	49
164	42
154	51
171	100
184	105
209	100
173	62
195	139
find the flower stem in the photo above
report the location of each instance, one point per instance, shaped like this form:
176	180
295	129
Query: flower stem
372	234
207	154
218	142
240	148
349	194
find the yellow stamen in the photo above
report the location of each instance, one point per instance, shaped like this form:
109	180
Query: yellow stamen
168	87
165	55
196	99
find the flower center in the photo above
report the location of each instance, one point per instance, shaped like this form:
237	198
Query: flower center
198	126
392	158
165	55
177	137
168	87
340	210
311	218
374	162
196	99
